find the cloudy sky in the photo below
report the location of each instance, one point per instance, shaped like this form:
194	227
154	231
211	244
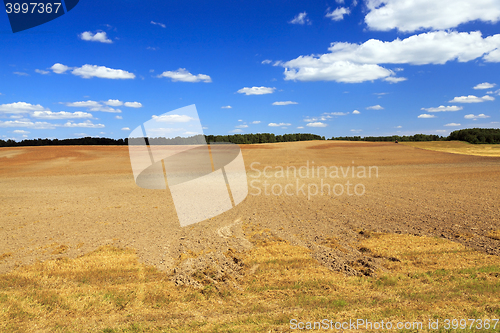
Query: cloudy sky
334	68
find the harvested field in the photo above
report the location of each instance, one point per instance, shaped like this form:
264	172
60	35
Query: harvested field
75	227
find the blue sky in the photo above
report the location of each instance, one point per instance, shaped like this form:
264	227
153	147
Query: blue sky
333	68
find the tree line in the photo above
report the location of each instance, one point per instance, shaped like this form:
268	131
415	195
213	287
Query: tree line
473	135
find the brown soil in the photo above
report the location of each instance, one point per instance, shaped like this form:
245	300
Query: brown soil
66	201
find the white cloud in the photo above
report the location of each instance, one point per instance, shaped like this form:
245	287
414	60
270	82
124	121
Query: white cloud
356	112
20	107
59	68
90	71
472	99
452	124
28	124
240	120
118	117
173	118
87	124
285	103
60	115
184	76
300	18
236	131
160	24
21	73
337	113
354	63
105	109
356	130
338	14
241	126
473	117
133	105
300	127
413	15
83	104
392	79
278	125
485	85
40	71
227	107
113	102
267	61
399	126
317	124
97	37
256	90
256	122
125	129
375	107
443	108
277	63
425	116
20	132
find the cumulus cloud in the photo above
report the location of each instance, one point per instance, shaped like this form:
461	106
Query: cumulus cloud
278	124
113	102
133	105
185	76
413	15
300	127
40	71
159	24
300	18
118	117
20	107
87	124
316	124
256	90
452	124
60	115
125	129
59	68
28	124
173	118
375	107
485	85
354	63
20	132
90	71
472	99
97	37
392	79
227	107
356	112
424	115
338	14
285	103
84	104
443	108
473	117
256	122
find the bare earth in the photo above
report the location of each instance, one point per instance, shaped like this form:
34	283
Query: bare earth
70	200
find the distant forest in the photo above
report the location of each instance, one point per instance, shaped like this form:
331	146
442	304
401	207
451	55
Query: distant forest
473	135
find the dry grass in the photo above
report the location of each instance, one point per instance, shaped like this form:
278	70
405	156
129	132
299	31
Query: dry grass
495	234
109	291
458	147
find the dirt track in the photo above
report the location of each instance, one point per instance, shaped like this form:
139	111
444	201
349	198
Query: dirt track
67	201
